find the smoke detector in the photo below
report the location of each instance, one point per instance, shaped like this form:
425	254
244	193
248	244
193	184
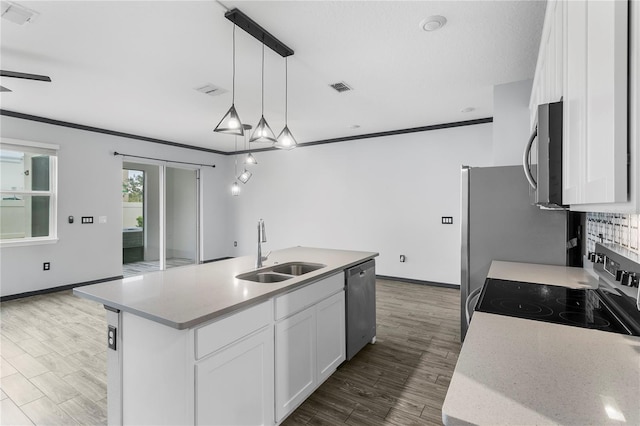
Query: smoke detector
17	13
433	23
211	89
341	87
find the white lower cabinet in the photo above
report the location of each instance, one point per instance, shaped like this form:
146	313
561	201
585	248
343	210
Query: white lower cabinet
330	329
309	344
235	385
295	360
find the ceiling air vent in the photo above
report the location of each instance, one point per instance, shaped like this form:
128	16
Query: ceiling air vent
17	13
341	87
211	90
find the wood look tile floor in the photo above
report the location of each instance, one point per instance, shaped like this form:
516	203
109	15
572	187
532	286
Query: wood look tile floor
53	362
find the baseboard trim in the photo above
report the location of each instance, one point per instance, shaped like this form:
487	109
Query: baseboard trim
412	281
216	260
57	289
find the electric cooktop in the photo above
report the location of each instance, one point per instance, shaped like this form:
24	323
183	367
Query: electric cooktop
596	309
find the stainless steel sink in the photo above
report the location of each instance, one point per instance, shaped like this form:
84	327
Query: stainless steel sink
278	273
297	268
263	277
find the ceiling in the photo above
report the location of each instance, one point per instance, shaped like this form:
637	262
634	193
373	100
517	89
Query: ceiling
132	66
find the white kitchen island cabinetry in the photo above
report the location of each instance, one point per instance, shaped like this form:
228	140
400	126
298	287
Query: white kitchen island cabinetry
197	345
234	385
309	343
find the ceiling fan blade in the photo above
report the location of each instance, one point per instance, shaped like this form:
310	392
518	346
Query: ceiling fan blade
4	89
14	74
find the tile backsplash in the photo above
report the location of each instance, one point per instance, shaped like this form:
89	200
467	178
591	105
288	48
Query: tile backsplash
613	228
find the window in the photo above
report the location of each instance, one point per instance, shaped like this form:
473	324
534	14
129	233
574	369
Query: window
28	185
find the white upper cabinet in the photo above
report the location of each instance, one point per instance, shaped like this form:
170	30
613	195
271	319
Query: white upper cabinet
595	103
548	81
584	61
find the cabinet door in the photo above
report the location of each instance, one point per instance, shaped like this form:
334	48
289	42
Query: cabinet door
595	138
330	327
235	385
295	360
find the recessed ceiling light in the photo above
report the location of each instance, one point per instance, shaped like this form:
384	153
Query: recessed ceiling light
468	109
433	23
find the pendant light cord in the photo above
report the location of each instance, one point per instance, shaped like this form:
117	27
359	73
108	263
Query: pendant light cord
233	81
236	159
286	91
263	75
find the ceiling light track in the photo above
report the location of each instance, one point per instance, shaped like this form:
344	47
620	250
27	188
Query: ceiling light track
259	33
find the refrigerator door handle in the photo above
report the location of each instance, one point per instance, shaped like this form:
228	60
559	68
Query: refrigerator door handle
468	309
525	160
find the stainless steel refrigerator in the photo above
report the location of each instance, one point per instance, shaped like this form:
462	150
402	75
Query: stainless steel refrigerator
498	222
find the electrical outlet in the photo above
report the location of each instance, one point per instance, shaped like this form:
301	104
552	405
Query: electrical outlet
46	266
402	258
111	337
447	220
87	219
235	244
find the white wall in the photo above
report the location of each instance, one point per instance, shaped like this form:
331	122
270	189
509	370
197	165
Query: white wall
384	194
90	184
510	121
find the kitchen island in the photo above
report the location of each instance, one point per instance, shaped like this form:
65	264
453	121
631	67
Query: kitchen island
197	345
519	371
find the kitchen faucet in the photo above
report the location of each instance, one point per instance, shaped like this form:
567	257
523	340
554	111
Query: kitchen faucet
262	238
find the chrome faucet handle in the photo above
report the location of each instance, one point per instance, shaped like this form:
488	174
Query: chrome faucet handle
266	256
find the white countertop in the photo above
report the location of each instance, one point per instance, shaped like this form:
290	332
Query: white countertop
186	296
523	372
542	274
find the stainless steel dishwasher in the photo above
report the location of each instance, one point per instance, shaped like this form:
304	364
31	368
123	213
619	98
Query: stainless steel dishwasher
360	306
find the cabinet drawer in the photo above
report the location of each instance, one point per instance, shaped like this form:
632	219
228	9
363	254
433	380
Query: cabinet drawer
219	334
297	300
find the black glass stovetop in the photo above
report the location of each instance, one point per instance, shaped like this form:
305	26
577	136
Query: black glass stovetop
579	308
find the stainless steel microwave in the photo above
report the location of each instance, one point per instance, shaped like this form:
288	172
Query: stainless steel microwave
542	158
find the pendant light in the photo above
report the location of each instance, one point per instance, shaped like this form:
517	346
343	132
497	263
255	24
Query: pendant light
235	188
285	138
249	159
230	123
263	132
246	174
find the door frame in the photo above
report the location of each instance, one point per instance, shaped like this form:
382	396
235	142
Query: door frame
162	169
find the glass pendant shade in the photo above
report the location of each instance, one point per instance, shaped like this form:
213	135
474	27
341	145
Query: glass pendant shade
230	123
245	176
263	133
286	139
235	189
250	159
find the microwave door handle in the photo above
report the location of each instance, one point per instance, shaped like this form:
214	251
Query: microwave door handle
525	160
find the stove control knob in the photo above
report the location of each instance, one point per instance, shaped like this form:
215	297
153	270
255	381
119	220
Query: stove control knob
625	278
619	274
599	258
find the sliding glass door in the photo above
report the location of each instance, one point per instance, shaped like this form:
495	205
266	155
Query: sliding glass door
159	216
